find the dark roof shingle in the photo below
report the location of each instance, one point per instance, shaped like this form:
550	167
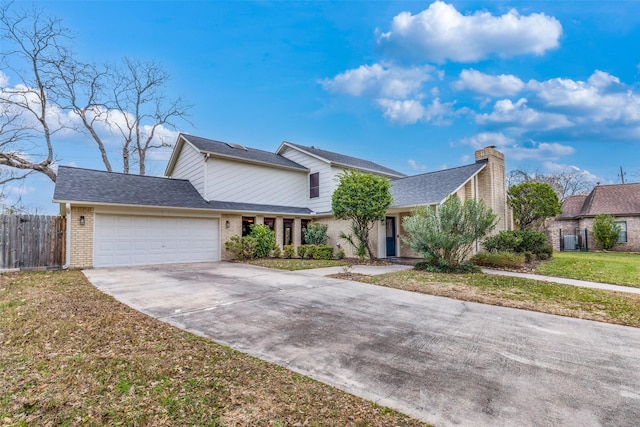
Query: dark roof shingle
246	153
349	161
433	187
615	199
86	185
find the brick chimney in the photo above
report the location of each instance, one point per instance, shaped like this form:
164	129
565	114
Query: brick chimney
492	185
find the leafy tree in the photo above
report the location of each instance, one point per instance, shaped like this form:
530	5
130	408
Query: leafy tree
316	233
445	235
605	231
532	203
364	199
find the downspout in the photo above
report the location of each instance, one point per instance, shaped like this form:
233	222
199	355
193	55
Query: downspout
67	254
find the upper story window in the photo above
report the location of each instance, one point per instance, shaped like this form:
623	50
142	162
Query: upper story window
314	185
622	237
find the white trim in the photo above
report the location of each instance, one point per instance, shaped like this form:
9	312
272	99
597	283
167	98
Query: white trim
88	203
67	255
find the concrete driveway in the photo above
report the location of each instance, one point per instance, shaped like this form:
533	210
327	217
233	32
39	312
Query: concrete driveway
444	361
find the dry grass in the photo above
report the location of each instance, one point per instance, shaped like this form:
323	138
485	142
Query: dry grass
70	355
593	304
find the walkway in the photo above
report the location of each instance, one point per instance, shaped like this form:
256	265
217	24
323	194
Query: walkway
565	281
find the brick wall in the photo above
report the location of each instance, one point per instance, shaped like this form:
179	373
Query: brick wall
81	255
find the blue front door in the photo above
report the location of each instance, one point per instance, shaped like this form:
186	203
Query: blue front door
391	236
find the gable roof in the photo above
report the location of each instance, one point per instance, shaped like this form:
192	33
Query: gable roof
432	187
86	185
343	160
615	199
235	151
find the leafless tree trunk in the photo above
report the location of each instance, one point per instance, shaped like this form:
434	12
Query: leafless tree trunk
138	92
37	42
567	182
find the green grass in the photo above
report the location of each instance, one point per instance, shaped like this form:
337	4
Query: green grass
594	304
293	264
70	355
605	267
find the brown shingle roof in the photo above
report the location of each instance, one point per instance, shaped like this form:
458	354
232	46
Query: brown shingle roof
572	206
617	199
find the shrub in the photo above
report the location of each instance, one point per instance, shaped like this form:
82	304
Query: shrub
442	267
277	251
316	233
289	251
520	242
305	251
605	231
265	240
340	254
446	235
498	259
323	252
241	247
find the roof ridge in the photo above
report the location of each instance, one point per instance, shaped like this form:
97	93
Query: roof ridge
442	170
227	143
122	173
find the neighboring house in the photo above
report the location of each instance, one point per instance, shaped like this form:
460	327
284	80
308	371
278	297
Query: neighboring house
215	190
571	230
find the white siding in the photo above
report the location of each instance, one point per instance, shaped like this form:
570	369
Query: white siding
233	181
317	204
190	165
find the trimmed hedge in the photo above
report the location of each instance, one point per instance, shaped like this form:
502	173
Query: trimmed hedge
498	259
520	242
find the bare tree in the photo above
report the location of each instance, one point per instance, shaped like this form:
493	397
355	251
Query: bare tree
126	102
81	89
33	45
567	182
142	108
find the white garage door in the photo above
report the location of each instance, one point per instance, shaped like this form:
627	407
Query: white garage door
121	240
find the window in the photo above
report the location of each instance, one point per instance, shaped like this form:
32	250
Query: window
622	237
247	222
314	185
287	235
271	223
303	228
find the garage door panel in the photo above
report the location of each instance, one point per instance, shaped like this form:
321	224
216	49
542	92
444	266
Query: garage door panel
121	240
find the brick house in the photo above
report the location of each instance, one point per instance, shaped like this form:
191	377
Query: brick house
214	190
571	230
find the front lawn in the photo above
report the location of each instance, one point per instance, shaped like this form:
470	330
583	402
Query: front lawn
564	300
605	267
70	355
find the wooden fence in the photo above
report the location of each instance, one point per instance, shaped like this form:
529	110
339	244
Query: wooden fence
32	241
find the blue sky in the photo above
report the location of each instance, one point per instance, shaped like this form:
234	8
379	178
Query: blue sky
416	86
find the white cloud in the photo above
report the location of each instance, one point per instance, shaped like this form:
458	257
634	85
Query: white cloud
517	150
484	139
4	80
602	98
411	111
538	151
559	167
416	165
441	33
519	115
501	85
380	81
